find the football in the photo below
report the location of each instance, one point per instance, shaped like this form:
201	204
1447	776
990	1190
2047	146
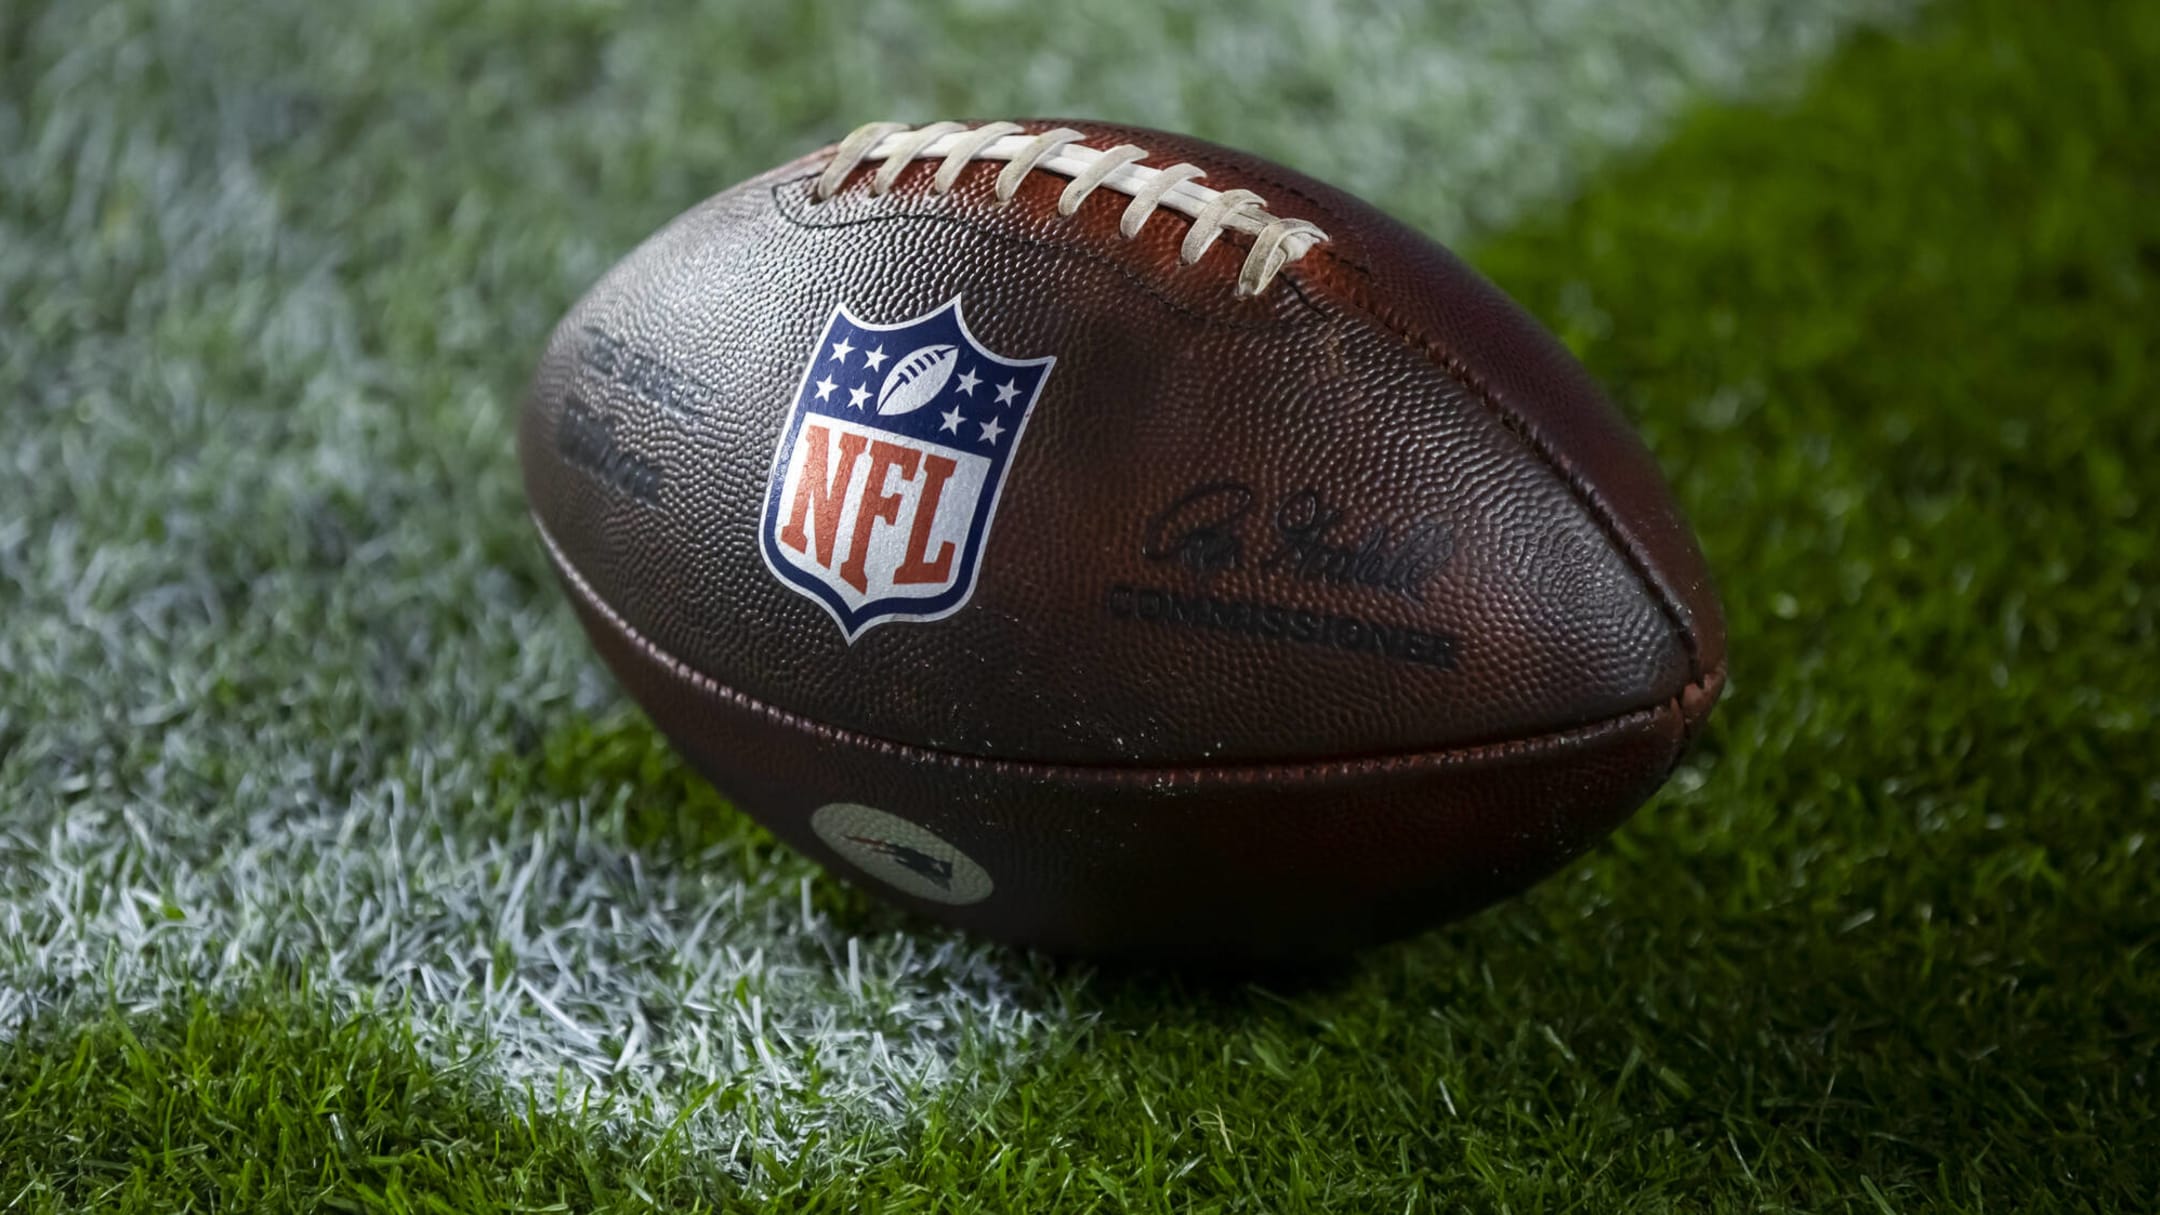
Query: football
1105	541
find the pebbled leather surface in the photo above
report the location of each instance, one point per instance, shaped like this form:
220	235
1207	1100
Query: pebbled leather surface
1366	373
1261	863
1101	758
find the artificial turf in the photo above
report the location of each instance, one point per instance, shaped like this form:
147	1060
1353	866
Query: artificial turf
1885	944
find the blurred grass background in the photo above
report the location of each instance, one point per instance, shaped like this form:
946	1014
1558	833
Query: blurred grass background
332	871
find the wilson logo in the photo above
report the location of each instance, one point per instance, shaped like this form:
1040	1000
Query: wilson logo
586	439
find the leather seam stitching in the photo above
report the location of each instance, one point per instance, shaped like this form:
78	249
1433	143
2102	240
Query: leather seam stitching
1231	774
782	208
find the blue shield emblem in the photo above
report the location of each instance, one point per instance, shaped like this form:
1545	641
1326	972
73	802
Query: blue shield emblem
890	466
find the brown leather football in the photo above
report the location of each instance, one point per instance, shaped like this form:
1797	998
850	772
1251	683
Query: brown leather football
1103	540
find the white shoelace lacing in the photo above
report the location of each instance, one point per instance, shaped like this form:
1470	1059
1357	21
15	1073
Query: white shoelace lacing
1276	241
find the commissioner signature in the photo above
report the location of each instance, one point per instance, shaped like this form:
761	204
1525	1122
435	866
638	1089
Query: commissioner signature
1206	528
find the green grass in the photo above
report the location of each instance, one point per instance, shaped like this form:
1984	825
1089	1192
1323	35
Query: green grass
1886	944
275	1106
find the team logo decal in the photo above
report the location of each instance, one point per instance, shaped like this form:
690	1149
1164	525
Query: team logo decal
907	857
890	466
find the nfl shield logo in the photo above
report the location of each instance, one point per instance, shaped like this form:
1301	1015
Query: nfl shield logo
890	466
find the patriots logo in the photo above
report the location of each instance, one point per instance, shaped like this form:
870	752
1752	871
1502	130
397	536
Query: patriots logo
890	466
929	868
